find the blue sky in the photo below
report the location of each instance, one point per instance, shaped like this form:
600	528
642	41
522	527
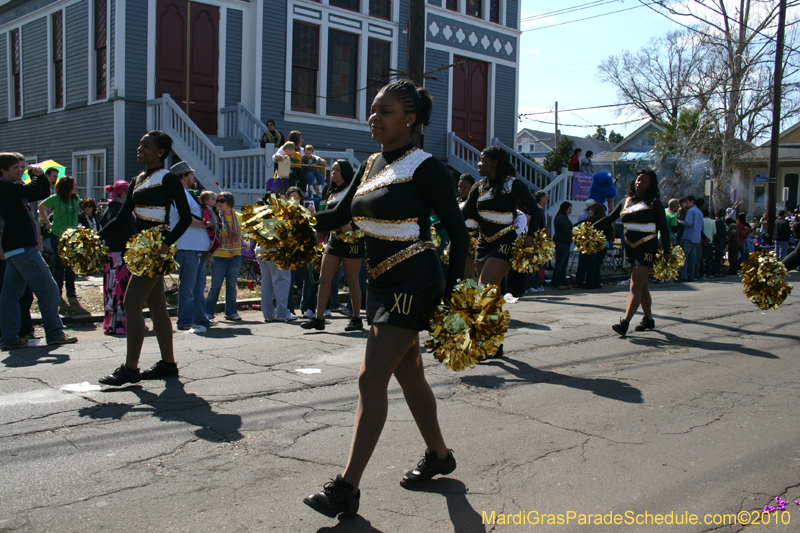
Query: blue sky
560	63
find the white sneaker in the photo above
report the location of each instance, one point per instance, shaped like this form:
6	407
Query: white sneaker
287	318
198	329
327	312
309	313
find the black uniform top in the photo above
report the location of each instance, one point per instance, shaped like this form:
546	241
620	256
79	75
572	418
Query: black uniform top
116	241
150	195
495	212
332	197
641	222
390	198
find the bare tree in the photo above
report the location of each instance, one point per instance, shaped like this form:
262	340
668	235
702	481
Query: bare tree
661	77
721	65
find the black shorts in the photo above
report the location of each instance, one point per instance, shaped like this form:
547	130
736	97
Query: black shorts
345	250
405	307
499	249
633	257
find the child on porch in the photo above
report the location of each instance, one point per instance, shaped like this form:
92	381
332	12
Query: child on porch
279	181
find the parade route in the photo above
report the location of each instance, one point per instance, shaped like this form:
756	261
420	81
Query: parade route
694	418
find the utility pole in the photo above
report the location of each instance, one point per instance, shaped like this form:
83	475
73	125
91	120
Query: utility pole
557	136
416	52
772	186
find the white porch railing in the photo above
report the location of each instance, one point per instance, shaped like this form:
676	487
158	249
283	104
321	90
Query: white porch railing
462	156
527	169
241	170
238	121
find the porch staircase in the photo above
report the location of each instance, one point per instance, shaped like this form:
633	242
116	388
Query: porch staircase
232	162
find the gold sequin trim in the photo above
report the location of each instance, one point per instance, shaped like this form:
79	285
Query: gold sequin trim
499	234
399	257
366	179
384	221
640	241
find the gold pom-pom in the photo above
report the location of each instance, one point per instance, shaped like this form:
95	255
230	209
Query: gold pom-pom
764	280
473	247
664	270
144	257
526	259
351	237
285	229
83	251
435	239
470	328
445	256
587	239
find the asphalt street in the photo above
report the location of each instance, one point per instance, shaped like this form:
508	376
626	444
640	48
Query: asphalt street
694	418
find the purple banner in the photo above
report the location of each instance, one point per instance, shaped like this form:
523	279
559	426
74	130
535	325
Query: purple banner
581	183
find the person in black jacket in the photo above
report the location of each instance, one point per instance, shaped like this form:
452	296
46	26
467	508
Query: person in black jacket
783	232
150	196
116	274
720	243
562	237
25	265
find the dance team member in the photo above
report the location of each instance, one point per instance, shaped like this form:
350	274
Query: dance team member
391	199
642	217
493	202
338	252
150	195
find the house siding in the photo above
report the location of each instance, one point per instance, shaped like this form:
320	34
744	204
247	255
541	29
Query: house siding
135	82
4	111
34	77
76	54
233	58
512	13
437	3
44	136
505	96
436	132
402	42
10	14
273	70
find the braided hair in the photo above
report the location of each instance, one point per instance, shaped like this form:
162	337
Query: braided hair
414	100
504	168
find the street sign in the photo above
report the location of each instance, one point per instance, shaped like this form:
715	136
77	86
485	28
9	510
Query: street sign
761	179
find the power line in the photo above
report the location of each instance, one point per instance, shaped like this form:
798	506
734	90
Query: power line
585	18
571	9
595	125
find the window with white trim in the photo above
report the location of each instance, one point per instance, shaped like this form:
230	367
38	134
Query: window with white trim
99	89
15	62
337	68
89	169
57	60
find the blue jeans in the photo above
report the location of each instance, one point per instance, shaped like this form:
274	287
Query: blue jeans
781	249
227	269
560	268
62	272
191	292
28	268
686	272
315	177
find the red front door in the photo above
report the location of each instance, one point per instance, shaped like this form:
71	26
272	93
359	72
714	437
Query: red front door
470	100
187	54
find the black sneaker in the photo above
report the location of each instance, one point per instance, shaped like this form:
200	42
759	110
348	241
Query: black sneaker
161	370
622	327
429	466
336	498
355	324
645	324
121	376
314	323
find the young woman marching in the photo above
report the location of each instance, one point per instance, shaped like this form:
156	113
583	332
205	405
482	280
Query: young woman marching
643	217
338	252
493	203
391	199
150	195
